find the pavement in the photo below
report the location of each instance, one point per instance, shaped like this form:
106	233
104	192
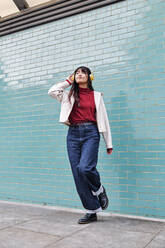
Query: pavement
35	226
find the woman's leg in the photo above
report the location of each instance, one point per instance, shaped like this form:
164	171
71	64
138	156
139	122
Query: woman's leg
89	157
82	154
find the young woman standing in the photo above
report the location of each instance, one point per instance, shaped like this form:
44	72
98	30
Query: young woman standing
84	111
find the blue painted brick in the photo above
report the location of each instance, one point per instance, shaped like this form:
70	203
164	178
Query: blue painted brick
128	63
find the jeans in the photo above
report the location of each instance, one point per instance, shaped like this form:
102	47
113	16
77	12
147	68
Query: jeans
82	146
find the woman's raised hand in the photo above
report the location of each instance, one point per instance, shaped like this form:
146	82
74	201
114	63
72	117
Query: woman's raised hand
70	78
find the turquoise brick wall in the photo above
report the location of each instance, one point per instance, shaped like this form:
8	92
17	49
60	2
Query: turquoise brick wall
124	45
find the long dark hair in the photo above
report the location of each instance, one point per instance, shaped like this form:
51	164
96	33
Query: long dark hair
75	87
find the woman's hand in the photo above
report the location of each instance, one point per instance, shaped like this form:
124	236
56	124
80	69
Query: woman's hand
71	77
109	150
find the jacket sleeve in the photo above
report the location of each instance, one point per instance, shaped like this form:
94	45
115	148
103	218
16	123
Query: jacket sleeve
57	90
106	135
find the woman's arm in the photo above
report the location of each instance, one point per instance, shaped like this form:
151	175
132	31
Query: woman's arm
107	134
57	90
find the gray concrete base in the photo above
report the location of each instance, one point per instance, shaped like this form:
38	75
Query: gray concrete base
28	226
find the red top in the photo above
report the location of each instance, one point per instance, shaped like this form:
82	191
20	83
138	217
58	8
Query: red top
86	111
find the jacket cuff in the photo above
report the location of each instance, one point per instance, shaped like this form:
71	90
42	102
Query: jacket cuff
68	81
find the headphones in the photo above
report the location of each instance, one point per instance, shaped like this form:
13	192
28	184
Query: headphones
91	77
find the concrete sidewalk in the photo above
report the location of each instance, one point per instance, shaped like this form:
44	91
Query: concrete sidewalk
32	226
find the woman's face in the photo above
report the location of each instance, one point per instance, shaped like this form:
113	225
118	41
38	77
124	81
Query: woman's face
81	77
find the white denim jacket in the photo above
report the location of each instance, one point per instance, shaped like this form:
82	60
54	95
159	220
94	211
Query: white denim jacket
58	92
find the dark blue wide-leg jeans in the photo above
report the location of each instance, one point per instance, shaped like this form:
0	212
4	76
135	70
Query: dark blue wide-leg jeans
82	145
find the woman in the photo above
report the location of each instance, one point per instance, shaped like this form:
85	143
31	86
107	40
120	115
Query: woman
84	111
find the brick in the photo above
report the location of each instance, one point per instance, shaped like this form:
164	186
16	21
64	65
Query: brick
124	46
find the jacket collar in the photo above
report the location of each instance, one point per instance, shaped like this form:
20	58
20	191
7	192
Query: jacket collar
97	96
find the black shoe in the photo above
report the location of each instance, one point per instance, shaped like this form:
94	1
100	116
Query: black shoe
87	218
103	199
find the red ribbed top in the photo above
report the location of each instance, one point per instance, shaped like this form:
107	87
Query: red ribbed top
86	111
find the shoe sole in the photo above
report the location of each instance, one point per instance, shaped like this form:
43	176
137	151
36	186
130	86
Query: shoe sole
87	222
103	208
106	205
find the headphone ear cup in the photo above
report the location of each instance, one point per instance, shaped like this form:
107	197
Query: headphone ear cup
72	78
91	77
